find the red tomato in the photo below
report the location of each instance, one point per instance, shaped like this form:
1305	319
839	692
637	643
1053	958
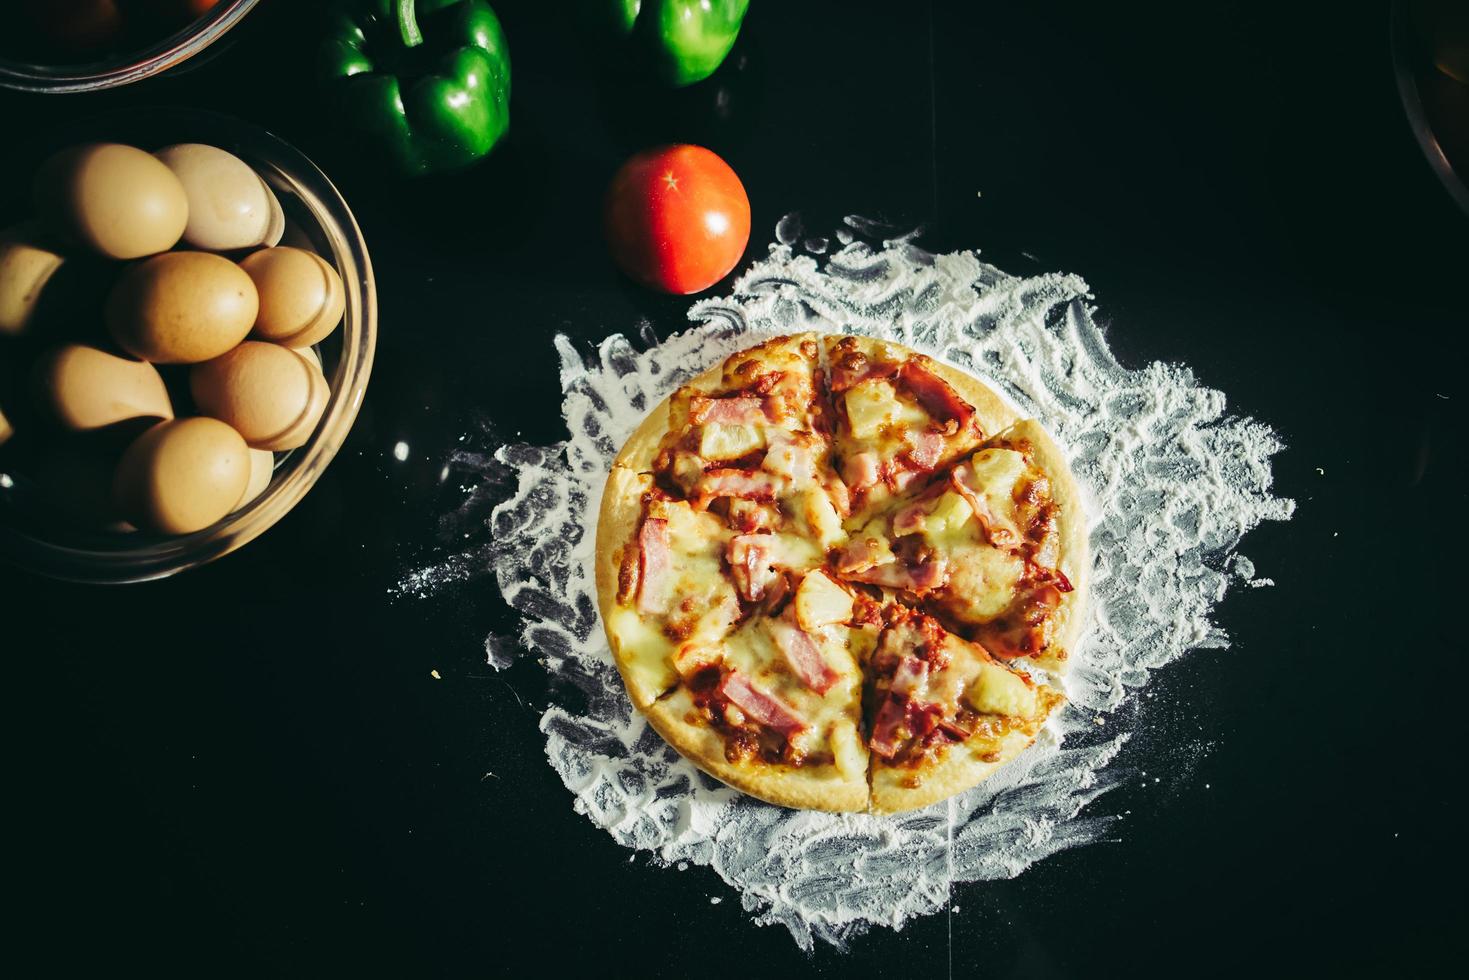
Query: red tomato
677	218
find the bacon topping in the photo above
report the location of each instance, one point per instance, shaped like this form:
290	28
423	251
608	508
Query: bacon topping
750	559
736	410
803	656
654	562
921	578
728	482
759	705
935	394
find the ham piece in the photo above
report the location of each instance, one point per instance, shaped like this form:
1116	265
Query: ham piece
995	532
759	705
750	559
803	656
738	410
654	564
925	449
934	393
862	469
887	727
921	578
734	483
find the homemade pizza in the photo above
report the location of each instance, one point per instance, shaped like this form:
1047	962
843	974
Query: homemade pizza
825	565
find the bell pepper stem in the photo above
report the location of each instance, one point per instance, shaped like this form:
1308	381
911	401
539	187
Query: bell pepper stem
408	24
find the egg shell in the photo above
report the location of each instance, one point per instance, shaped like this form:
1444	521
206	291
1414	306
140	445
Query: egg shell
85	388
112	198
181	308
27	265
270	394
181	476
301	295
229	205
262	468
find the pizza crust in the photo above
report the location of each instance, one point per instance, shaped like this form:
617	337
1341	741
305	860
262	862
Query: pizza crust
804	788
959	770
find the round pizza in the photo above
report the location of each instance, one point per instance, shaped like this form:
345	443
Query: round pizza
825	565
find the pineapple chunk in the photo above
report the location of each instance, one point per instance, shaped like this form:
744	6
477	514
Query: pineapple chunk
821	602
1000	691
821	517
846	749
995	473
719	441
871	406
947	519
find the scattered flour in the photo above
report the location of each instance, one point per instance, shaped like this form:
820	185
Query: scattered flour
1174	484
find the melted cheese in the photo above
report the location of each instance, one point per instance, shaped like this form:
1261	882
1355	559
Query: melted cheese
996	472
996	690
752	651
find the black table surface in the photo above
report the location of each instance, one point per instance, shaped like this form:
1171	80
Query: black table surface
250	769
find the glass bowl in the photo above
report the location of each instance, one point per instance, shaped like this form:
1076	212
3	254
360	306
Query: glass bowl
130	66
316	215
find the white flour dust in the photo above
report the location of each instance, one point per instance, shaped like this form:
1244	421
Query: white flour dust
1174	484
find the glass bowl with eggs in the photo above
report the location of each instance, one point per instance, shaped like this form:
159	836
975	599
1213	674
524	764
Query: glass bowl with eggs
86	45
187	324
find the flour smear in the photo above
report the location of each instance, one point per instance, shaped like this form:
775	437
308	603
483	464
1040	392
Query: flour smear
1173	484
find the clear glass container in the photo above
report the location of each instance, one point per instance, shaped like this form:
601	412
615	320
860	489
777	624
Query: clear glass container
129	66
315	212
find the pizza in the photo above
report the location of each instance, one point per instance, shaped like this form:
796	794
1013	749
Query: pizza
828	567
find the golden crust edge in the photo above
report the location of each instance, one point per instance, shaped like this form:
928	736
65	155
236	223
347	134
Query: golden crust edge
959	772
789	787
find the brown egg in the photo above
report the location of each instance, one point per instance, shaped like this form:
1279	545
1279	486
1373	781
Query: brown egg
301	295
182	476
84	388
230	207
181	308
262	468
6	429
27	264
270	394
113	198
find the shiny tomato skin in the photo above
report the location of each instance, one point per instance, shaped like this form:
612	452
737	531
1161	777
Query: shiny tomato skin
677	218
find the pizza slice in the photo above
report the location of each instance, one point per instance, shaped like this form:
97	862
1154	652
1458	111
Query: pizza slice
994	547
660	563
944	713
899	417
774	709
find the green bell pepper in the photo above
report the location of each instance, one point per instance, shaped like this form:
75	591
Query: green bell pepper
682	40
434	100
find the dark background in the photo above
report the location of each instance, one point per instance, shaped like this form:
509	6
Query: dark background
249	769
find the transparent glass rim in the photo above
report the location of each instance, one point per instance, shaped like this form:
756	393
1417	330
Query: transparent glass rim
1406	77
136	558
131	66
